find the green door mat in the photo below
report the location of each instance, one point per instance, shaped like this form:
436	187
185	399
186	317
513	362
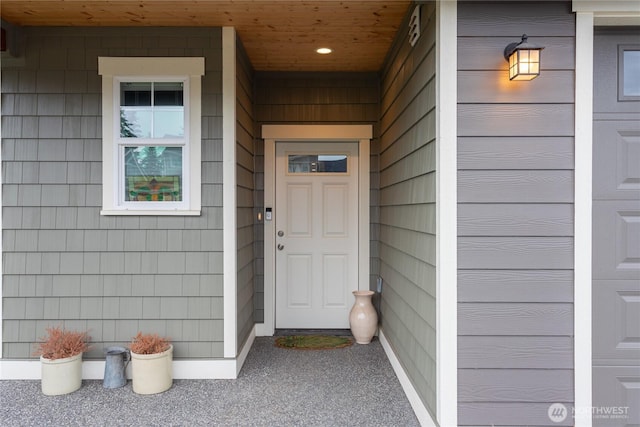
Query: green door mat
313	342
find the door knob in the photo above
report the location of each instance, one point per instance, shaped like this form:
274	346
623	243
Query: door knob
280	246
280	233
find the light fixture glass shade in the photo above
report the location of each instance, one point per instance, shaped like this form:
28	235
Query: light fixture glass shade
524	65
524	60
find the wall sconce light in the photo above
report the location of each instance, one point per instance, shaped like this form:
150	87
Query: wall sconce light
524	59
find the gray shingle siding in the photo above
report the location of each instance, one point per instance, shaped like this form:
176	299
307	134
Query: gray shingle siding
246	215
407	206
63	263
515	215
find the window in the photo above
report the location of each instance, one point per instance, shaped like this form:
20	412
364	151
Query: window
317	163
151	135
629	73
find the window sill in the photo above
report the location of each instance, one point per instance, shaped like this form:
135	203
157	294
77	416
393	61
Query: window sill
176	212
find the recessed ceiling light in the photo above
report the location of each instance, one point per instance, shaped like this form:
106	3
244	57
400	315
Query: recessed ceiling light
324	51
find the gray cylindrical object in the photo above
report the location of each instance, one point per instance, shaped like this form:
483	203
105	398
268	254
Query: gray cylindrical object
116	361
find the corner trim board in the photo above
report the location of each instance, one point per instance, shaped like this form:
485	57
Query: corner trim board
446	213
229	202
582	300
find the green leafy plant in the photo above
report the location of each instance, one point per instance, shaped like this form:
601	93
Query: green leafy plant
59	343
149	344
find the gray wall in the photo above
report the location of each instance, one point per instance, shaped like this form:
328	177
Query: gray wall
245	174
63	262
515	215
312	98
408	205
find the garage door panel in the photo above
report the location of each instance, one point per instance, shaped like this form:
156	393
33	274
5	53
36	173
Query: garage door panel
616	233
617	308
619	148
616	237
617	395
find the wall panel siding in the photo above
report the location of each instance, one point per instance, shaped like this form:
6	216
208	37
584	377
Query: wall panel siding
314	98
245	180
515	215
407	206
515	352
64	263
515	153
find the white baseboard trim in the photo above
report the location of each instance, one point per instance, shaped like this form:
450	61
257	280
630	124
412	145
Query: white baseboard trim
261	330
182	369
423	415
20	370
244	351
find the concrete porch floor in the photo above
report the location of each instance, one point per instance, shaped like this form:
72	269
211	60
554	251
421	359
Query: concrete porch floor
355	386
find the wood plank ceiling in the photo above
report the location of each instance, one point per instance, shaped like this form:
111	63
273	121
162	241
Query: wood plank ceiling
278	35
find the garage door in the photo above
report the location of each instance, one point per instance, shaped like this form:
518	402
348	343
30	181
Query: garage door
616	228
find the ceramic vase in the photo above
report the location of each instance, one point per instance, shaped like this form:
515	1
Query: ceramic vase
61	376
363	317
152	373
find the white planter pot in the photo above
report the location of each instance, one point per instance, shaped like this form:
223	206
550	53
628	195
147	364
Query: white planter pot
61	376
152	373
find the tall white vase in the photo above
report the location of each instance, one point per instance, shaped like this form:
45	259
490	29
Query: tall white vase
363	317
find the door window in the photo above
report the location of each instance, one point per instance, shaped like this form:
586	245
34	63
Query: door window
629	73
317	163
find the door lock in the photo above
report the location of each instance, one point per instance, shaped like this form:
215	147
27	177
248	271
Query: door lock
280	233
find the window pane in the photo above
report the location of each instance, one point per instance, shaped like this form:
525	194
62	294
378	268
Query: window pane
168	122
631	61
167	94
135	94
135	122
151	109
153	174
317	163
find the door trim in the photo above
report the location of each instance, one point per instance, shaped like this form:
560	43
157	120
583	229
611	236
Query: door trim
313	133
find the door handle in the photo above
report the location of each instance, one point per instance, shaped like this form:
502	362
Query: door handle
280	246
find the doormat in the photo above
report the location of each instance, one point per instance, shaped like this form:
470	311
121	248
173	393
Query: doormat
313	342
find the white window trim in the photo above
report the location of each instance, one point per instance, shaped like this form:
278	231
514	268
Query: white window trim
115	69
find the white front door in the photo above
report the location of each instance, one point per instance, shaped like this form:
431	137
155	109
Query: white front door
316	226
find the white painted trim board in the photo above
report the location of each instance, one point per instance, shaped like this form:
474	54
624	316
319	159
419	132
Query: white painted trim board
583	218
447	213
229	202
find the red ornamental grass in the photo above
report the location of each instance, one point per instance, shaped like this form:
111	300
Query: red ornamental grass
149	344
60	343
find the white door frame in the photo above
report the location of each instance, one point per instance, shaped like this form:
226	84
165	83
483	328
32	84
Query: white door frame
313	133
589	13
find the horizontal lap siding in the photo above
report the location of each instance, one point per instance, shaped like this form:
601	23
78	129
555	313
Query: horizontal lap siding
314	98
407	206
64	263
515	215
245	174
